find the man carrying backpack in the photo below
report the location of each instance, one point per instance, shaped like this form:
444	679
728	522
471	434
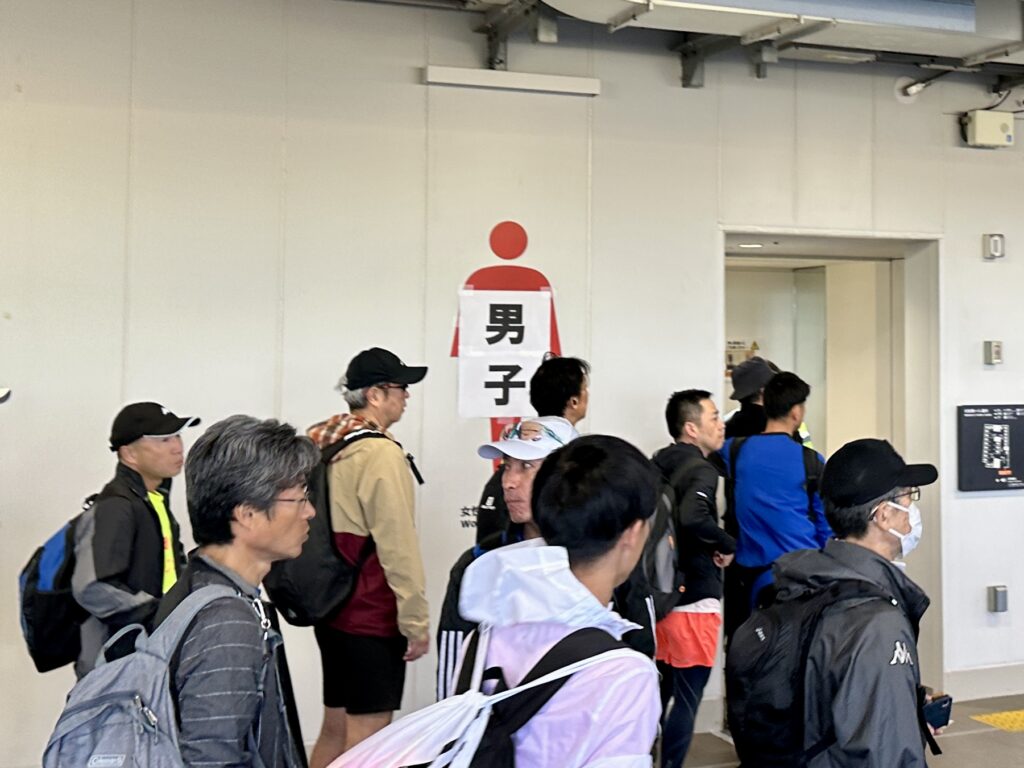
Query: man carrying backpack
127	547
248	506
688	636
775	496
384	624
852	621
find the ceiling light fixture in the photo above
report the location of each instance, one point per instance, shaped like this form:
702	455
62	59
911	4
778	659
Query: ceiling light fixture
750	245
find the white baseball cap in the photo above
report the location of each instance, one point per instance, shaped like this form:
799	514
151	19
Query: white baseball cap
531	439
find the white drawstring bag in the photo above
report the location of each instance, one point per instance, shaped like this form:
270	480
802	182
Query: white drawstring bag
449	732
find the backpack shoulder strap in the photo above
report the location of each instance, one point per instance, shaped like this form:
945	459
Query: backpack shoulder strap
167	637
513	713
734	454
681	473
812	479
332	450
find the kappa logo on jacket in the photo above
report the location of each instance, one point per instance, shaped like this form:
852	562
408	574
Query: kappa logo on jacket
901	655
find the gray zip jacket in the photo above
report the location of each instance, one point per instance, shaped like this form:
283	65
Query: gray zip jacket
863	675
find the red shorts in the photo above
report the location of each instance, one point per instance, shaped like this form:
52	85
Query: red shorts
688	639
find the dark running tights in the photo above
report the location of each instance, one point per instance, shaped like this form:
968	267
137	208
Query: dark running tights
685	687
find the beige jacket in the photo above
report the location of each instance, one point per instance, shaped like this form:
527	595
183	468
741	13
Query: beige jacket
371	491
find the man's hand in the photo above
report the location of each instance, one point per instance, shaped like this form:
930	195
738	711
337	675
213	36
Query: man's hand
416	648
722	560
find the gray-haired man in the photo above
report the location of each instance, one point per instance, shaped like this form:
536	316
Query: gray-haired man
248	507
862	684
384	624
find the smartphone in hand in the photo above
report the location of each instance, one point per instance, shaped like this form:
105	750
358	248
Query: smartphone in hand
937	711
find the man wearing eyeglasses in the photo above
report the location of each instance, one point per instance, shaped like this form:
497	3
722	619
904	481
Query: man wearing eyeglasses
384	624
862	680
522	450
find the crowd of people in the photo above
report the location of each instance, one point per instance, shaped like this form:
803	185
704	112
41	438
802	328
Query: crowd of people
563	528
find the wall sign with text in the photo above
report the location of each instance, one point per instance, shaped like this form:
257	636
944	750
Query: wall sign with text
990	447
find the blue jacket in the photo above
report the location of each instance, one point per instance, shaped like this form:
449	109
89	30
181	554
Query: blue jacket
771	500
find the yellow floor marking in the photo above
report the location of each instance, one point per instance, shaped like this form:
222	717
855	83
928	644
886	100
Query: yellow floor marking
1012	721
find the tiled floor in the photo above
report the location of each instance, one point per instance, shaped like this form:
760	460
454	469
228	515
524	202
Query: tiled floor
966	743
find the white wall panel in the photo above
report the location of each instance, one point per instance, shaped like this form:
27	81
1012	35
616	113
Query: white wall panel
907	168
657	282
760	305
64	83
982	299
834	161
205	209
757	144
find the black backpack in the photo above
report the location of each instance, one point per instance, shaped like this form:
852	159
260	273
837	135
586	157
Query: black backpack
50	616
314	586
764	675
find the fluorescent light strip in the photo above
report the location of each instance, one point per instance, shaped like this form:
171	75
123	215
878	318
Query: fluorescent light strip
511	81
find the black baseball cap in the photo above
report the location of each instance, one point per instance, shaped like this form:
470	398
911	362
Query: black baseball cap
146	420
868	469
378	366
750	376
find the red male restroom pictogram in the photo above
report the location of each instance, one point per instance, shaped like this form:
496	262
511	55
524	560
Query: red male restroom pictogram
508	241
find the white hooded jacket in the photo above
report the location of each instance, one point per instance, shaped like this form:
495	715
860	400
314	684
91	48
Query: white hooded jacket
606	715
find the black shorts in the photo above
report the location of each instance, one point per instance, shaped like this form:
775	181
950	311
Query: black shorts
364	675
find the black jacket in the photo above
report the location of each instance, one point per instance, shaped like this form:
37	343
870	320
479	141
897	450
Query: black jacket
119	560
491	512
699	535
749	420
451	627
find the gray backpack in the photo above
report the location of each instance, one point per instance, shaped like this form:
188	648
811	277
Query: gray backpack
123	713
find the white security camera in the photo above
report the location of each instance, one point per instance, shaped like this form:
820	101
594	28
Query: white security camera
5	394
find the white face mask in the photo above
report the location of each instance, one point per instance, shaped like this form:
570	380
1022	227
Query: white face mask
909	541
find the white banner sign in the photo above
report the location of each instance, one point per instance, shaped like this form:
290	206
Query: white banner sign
503	337
496	384
504	321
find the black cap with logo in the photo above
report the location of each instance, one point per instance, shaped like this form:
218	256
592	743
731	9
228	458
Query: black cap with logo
868	469
378	366
146	420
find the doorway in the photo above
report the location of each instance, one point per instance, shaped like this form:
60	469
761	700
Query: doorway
857	318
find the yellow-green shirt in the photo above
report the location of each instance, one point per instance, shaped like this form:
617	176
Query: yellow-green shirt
170	572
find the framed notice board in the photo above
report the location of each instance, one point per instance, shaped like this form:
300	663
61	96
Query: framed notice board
990	447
